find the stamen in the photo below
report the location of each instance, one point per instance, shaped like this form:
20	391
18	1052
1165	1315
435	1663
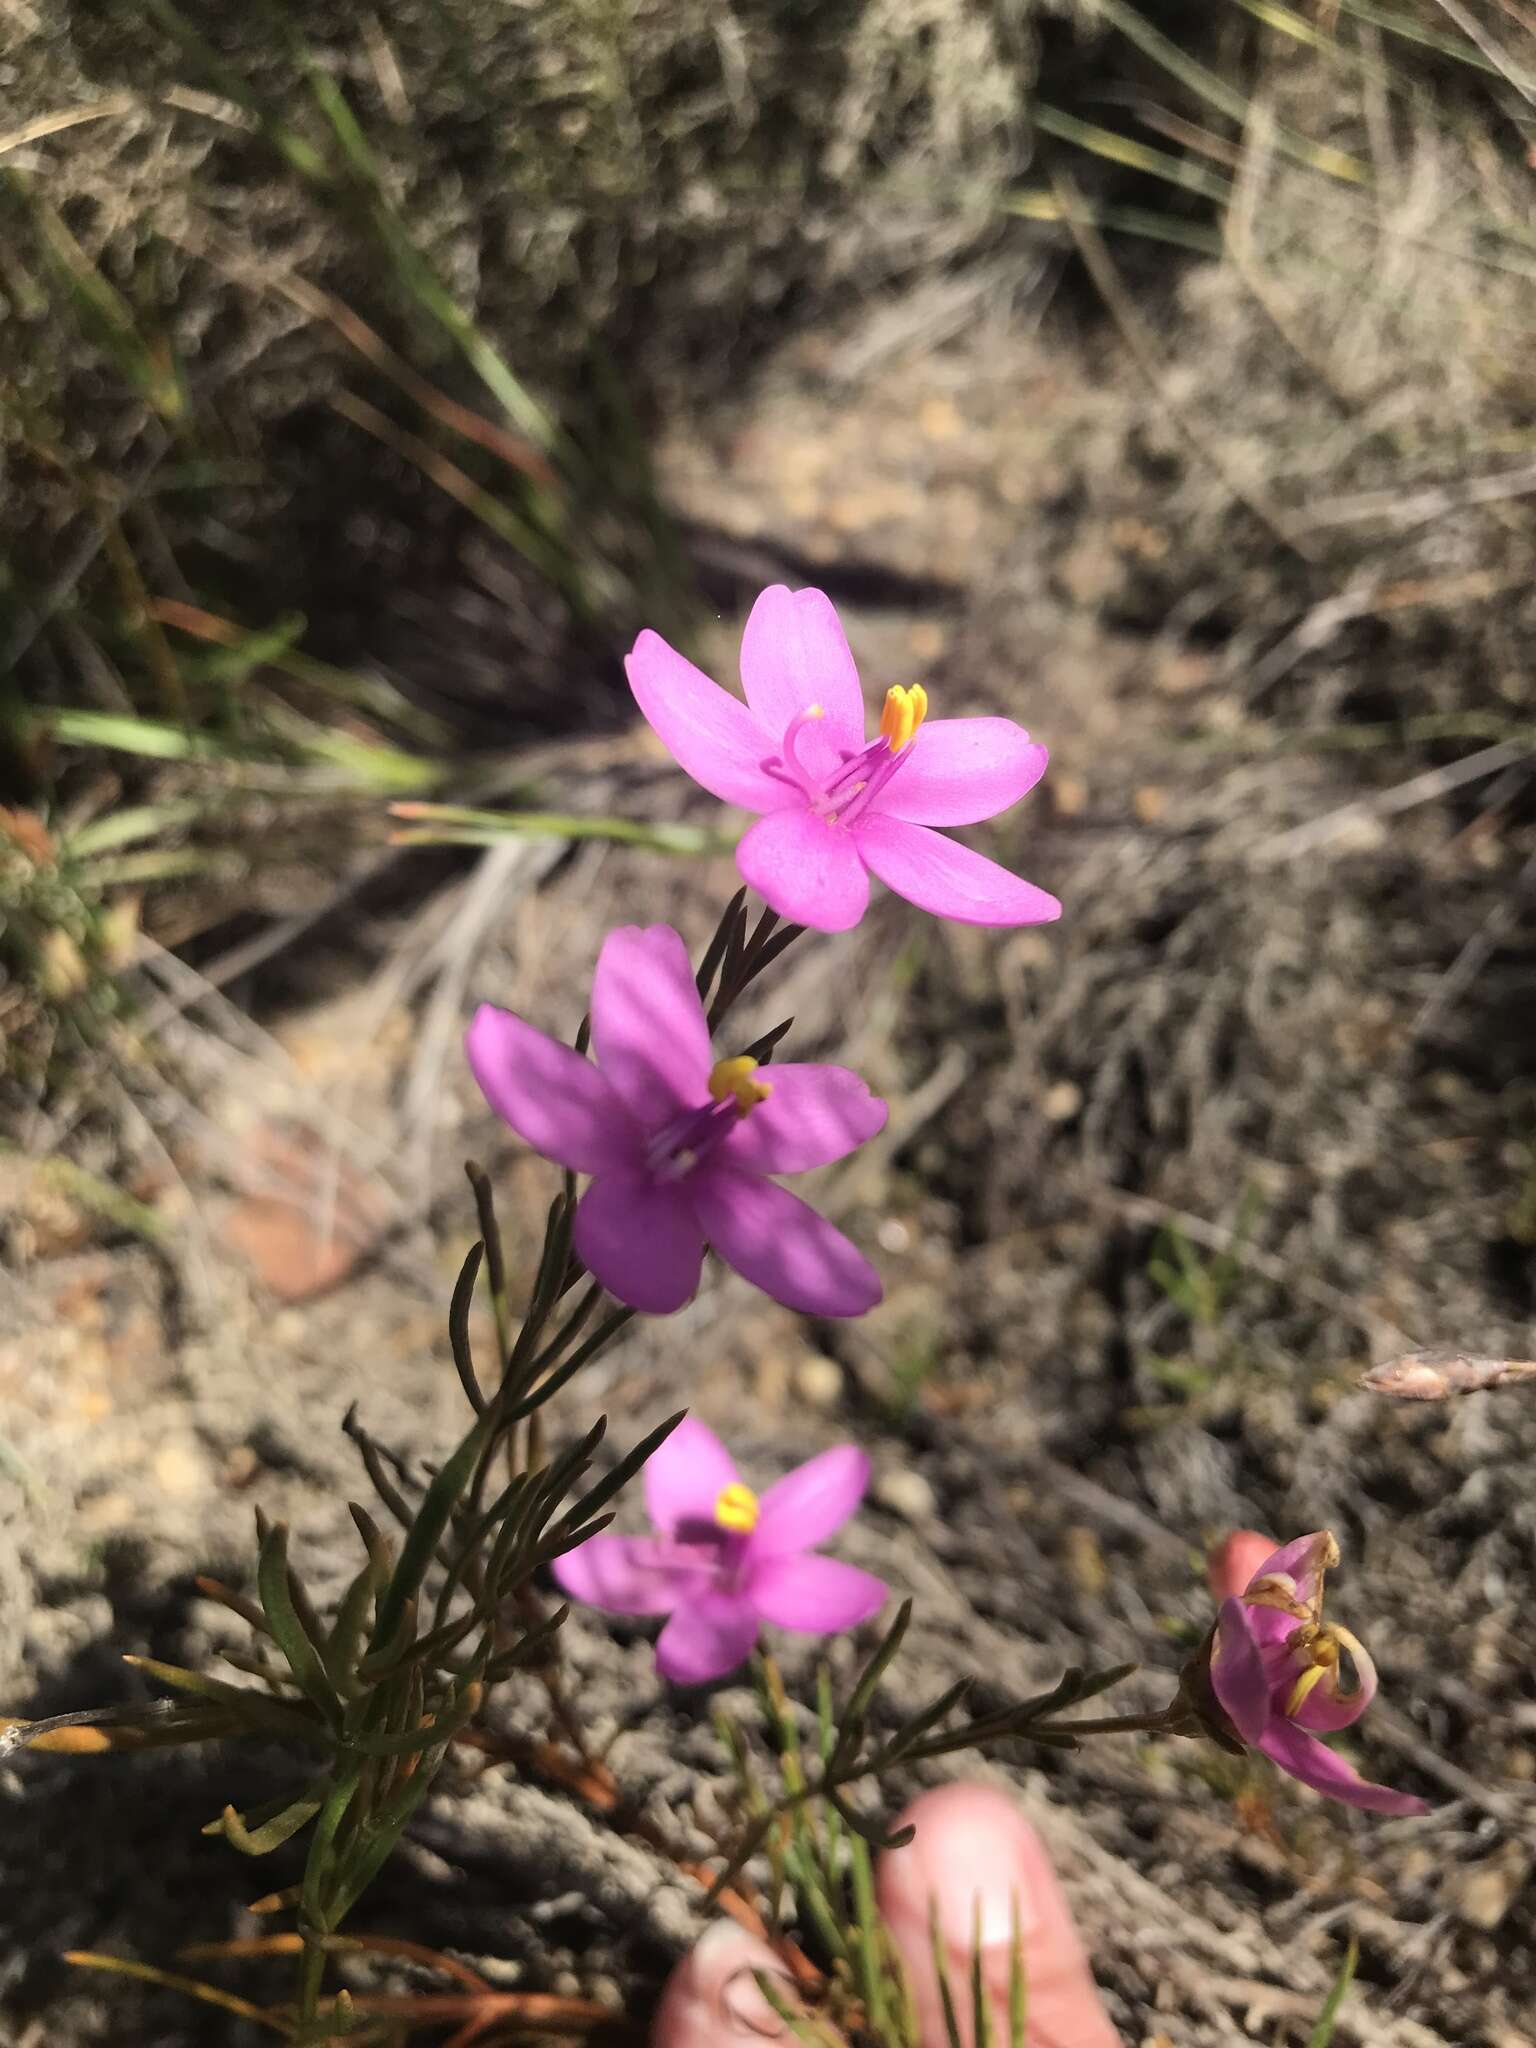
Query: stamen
904	712
733	1078
737	1509
1308	1682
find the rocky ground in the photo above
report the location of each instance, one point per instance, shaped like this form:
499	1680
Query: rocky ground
1250	1027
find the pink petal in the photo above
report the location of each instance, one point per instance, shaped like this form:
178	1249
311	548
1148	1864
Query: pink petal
648	1028
814	1115
793	655
710	734
707	1638
942	876
810	1504
553	1098
641	1240
686	1476
1303	1561
963	770
780	1244
815	1595
1315	1764
628	1574
1325	1711
1238	1677
807	868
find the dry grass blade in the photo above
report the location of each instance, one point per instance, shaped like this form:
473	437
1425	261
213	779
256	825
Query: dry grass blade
1515	74
190	1987
67	117
1144	353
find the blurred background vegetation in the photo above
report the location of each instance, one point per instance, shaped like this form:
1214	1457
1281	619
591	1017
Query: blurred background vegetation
298	298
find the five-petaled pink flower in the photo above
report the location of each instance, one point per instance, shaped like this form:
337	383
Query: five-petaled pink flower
724	1561
835	807
1277	1672
679	1144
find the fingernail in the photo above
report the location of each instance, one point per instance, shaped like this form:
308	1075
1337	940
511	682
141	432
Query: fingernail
712	1996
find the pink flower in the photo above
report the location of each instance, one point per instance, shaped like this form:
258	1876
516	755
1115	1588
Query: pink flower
835	808
679	1144
1277	1671
726	1561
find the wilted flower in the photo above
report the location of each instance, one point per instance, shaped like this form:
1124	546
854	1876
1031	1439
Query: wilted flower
725	1561
679	1144
837	808
1279	1673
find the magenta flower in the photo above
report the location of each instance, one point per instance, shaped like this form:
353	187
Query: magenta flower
1277	1670
679	1144
724	1561
837	808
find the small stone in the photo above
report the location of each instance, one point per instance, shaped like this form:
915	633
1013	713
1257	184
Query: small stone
1069	793
292	1255
819	1381
1482	1895
894	1235
938	419
1183	670
1061	1102
179	1471
906	1493
1150	804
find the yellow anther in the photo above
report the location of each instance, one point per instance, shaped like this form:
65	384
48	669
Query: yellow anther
904	712
1308	1681
736	1509
734	1077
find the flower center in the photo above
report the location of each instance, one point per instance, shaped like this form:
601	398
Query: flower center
694	1134
736	1510
842	791
731	1081
1319	1646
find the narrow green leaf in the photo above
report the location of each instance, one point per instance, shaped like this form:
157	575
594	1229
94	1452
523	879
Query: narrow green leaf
870	1955
303	1656
870	1830
874	1671
1322	2034
613	1482
941	1974
431	1520
272	1834
378	1843
981	2006
1018	1980
458	1327
341	1645
257	1710
320	1863
411	1741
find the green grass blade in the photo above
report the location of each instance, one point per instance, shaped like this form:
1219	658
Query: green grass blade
1216	92
1137	156
1322	2034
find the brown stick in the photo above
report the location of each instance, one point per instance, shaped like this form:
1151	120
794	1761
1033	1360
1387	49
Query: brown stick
1444	1373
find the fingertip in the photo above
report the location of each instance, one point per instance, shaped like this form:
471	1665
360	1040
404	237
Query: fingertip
712	1996
1232	1564
977	1861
